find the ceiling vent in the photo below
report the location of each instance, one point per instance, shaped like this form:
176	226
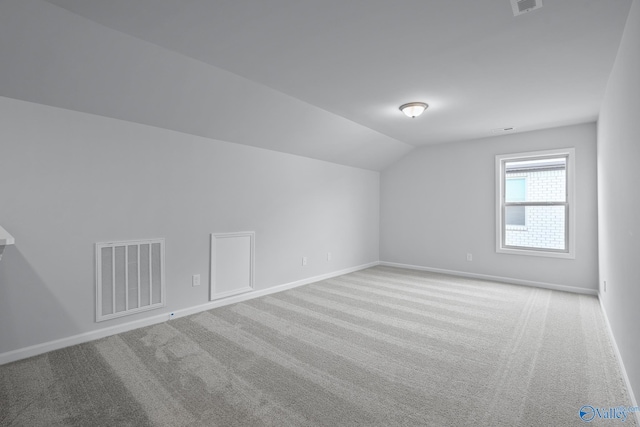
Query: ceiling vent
500	131
524	6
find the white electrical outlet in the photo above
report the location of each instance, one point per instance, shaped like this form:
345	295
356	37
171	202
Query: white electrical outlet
469	257
328	256
304	260
195	280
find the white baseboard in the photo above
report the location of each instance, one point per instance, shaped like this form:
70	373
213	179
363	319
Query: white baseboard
272	290
634	402
34	350
508	280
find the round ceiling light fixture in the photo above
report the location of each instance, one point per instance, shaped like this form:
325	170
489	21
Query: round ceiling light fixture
413	109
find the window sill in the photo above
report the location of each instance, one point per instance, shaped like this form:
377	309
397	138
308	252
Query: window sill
533	252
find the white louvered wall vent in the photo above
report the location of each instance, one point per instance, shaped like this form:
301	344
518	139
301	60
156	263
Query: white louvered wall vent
129	277
523	6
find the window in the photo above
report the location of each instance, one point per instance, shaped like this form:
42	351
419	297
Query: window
535	208
515	188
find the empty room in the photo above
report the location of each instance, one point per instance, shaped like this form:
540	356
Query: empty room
319	213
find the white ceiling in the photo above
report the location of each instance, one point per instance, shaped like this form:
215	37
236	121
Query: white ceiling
320	78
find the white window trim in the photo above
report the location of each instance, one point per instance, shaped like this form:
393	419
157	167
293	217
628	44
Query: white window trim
571	214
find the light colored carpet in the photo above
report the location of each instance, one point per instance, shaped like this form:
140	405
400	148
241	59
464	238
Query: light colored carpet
379	347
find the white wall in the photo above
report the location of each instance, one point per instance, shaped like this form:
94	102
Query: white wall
619	198
71	179
438	204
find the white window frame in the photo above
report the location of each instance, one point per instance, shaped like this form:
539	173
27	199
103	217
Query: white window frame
570	216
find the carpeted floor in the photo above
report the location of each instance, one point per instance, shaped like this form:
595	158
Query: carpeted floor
379	347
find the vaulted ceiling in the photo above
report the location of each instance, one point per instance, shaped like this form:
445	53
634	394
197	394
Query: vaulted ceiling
318	78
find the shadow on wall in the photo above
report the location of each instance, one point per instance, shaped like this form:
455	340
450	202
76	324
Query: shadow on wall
22	288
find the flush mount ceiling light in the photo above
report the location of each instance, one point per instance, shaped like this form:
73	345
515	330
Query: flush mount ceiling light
413	109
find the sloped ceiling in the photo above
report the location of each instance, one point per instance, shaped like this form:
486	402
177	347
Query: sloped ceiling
322	79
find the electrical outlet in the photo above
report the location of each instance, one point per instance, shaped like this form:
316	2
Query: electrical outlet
469	257
195	280
304	260
172	315
328	256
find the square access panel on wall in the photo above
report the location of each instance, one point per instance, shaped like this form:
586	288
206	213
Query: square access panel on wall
232	263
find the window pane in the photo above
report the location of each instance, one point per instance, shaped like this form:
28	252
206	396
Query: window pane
515	189
545	229
515	215
545	179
